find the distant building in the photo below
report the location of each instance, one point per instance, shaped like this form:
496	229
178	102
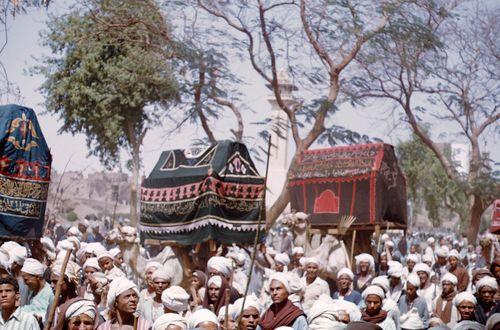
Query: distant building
460	156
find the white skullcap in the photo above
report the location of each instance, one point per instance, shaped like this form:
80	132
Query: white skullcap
48	244
238	257
442	251
346	271
95	248
297	250
389	244
165	320
221	265
118	286
414	280
152	264
250	301
449	277
311	260
175	298
422	267
430	240
383	282
413	257
114	252
487	281
426	258
215	280
91	262
375	290
395	269
366	258
464	296
104	255
201	315
33	267
71	272
162	273
282	278
73	231
282	258
17	253
296	285
454	253
128	230
80	307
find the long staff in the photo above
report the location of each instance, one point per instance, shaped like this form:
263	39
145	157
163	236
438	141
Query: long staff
60	281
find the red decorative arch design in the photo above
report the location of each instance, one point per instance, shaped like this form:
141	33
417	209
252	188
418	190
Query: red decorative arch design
327	202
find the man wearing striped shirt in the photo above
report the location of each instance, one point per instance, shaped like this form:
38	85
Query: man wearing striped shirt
14	318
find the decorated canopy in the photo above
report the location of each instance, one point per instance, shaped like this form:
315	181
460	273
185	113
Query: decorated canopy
24	173
495	218
198	194
360	180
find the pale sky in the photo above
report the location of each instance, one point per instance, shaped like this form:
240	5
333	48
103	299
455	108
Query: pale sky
24	46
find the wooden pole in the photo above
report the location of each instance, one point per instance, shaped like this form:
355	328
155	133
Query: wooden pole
135	322
227	297
60	280
352	245
256	241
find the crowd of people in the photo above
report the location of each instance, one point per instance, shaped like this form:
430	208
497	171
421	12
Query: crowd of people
404	282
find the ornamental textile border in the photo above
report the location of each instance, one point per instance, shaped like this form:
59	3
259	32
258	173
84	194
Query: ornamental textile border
199	223
21	207
193	190
16	188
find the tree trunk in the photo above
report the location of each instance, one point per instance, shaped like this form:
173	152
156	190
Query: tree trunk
476	209
133	188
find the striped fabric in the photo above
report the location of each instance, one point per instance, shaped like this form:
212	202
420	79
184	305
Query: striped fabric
20	320
142	324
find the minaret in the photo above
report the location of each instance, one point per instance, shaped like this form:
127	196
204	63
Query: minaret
280	132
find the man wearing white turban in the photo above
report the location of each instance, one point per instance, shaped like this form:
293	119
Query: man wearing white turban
429	250
203	319
250	313
311	279
411	261
330	314
466	304
149	291
71	279
486	289
13	318
106	262
395	274
365	265
411	306
443	304
281	262
344	285
170	321
75	313
456	269
152	309
122	300
427	290
440	266
373	297
219	266
175	300
40	295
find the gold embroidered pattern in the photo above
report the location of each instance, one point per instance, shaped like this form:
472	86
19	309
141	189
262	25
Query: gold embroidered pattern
23	189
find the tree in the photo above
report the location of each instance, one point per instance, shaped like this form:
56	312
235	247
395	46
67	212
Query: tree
428	185
106	84
446	72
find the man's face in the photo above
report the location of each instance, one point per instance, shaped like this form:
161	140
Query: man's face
213	292
423	277
487	294
195	282
394	281
312	271
31	281
250	319
442	261
453	262
496	272
373	304
383	260
8	296
297	256
160	285
89	271
149	275
278	292
127	301
448	287
466	310
118	259
53	284
231	324
411	290
106	263
81	322
344	282
279	267
413	249
364	266
82	228
410	264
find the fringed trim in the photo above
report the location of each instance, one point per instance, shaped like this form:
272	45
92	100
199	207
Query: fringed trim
184	227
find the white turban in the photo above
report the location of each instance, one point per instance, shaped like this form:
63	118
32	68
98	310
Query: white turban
17	253
162	273
310	260
414	280
487	281
383	282
85	222
324	312
426	258
95	248
165	320
297	250
280	277
72	270
91	262
48	244
413	257
250	301
464	296
454	253
375	290
395	269
103	255
80	307
366	258
389	244
201	315
449	277
114	252
33	267
152	264
345	271
442	251
118	286
411	320
221	265
430	240
296	285
175	298
421	267
128	230
216	280
282	258
73	231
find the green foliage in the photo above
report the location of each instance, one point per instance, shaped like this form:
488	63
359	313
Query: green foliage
428	185
111	87
71	216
